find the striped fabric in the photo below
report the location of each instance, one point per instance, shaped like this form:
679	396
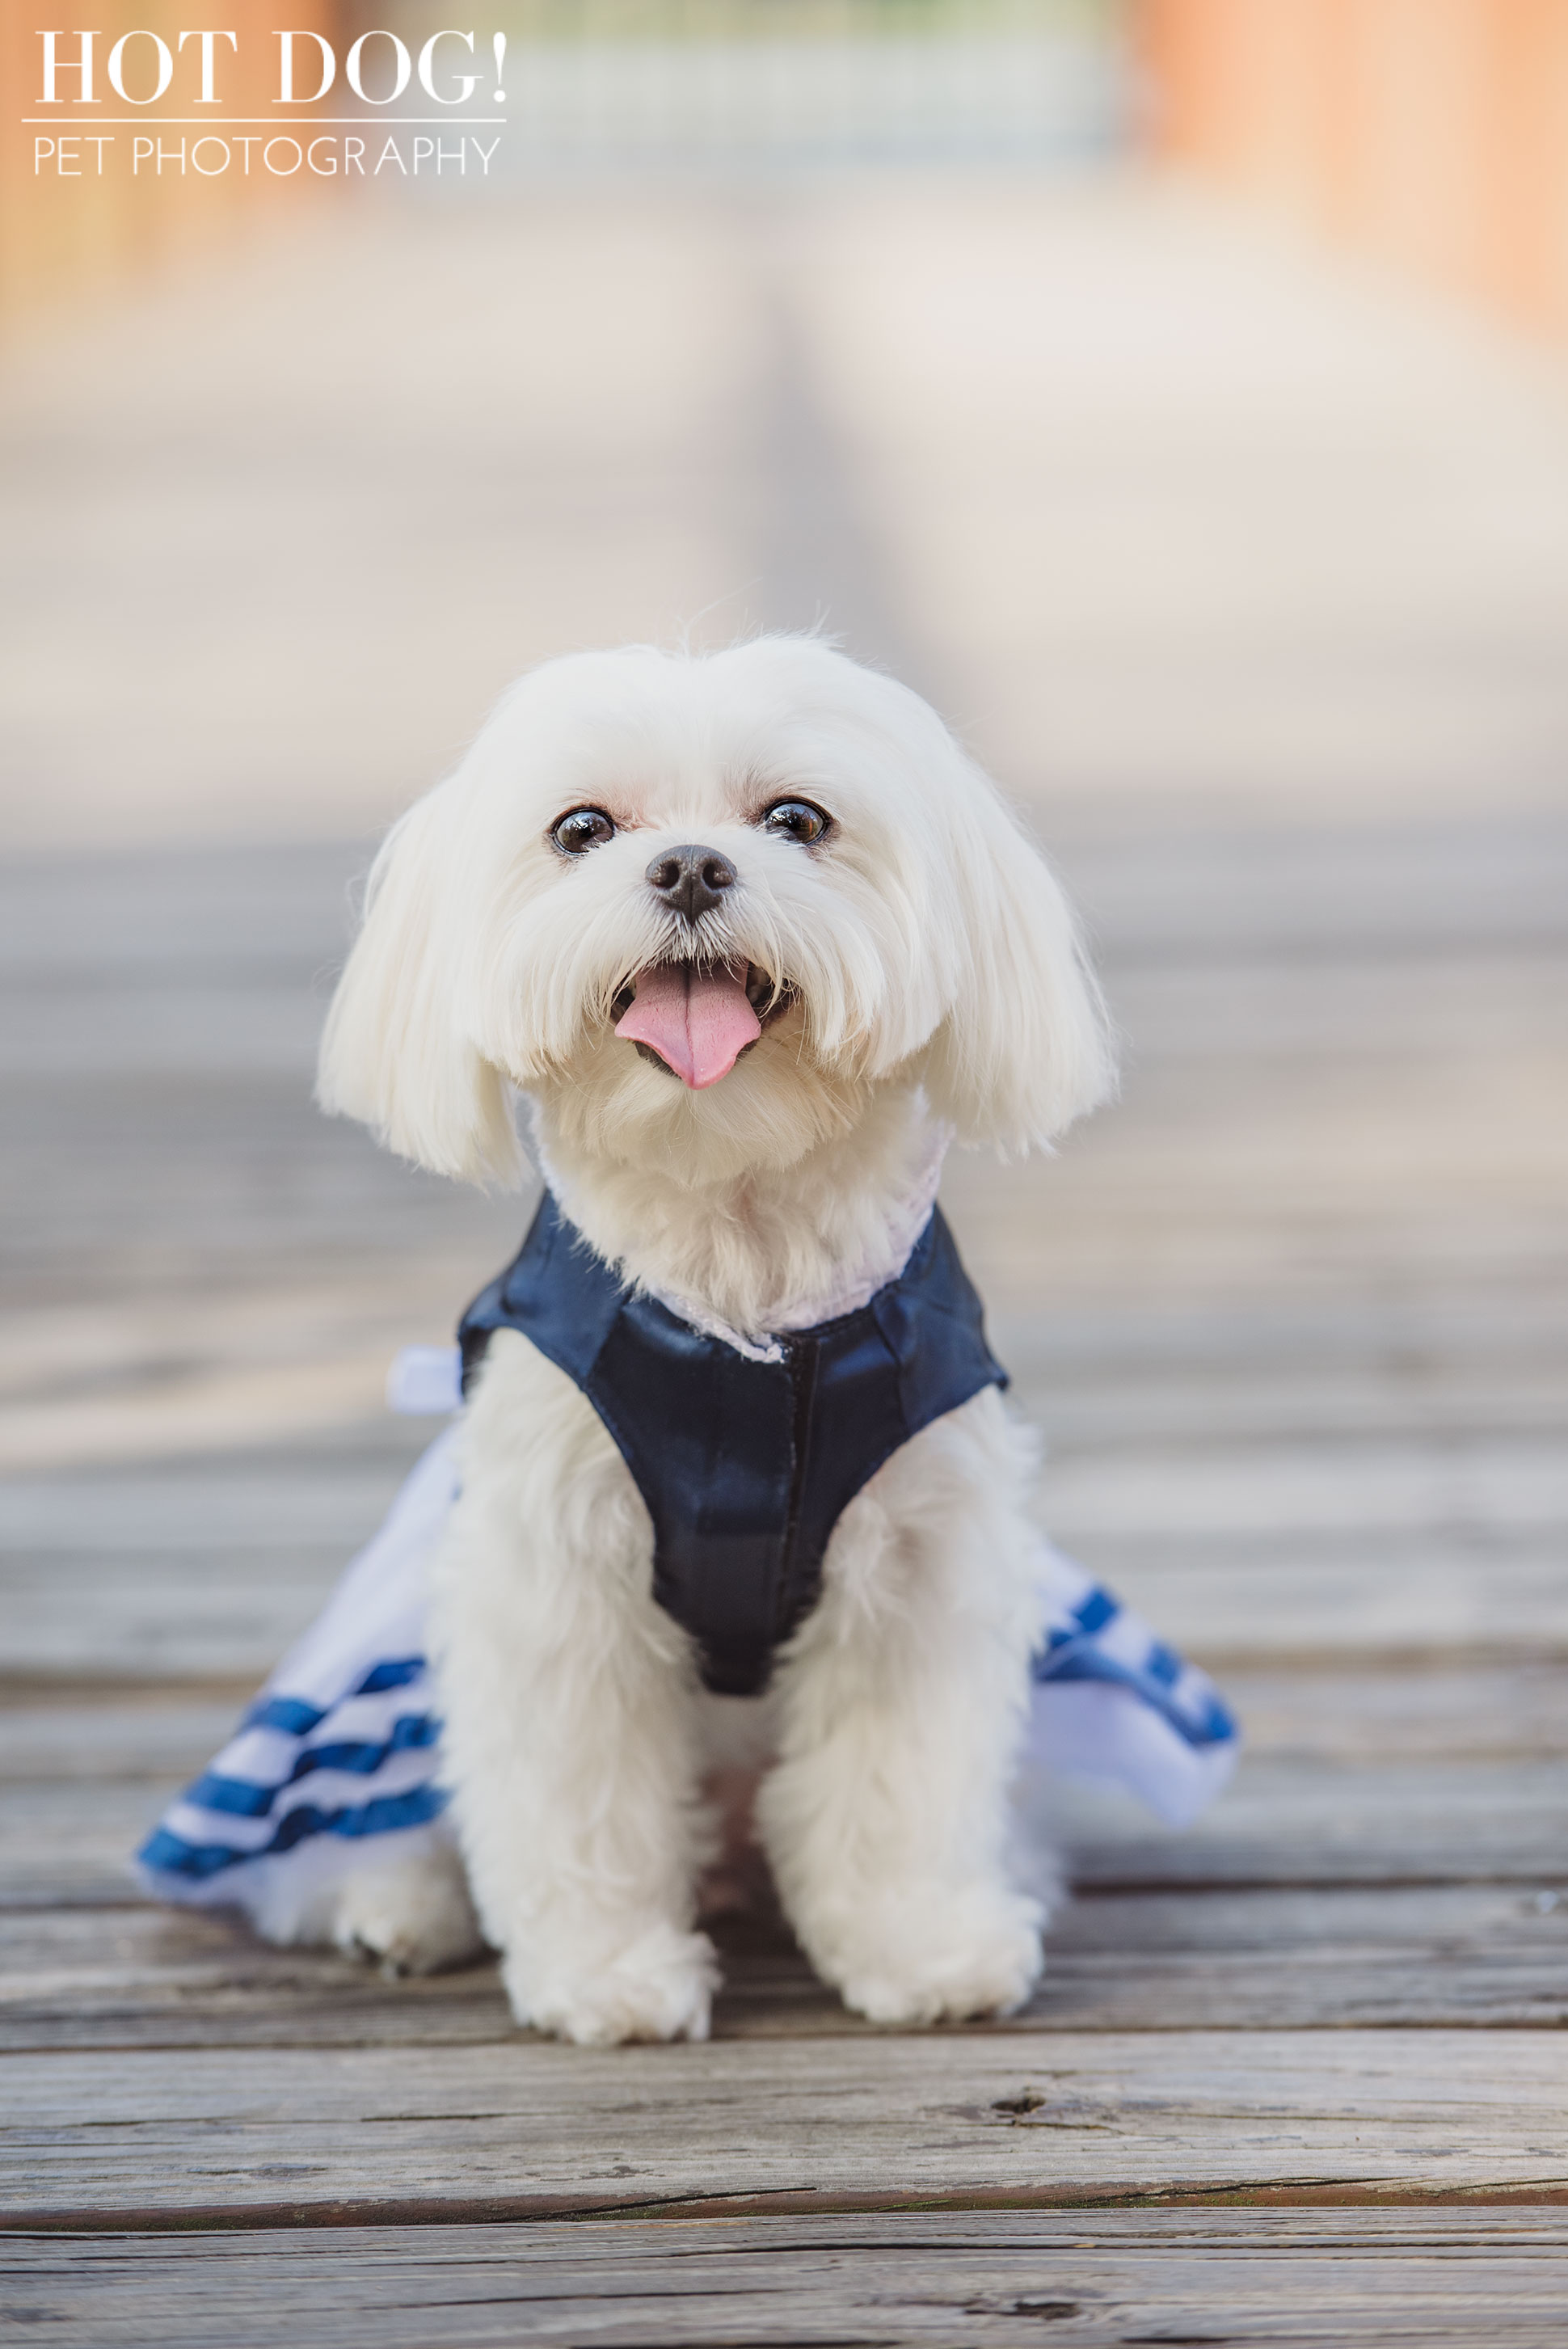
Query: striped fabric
342	1743
342	1747
1112	1702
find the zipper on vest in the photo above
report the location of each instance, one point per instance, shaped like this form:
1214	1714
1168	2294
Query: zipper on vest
790	1605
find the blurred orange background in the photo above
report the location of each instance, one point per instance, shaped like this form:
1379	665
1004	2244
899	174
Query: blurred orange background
1431	132
91	229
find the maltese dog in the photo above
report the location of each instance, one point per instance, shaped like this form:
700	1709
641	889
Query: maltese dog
754	940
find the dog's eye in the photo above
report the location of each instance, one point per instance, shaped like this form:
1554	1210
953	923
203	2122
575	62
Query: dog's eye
797	820
583	829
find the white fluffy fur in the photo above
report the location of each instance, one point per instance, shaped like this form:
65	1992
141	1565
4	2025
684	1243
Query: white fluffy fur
939	986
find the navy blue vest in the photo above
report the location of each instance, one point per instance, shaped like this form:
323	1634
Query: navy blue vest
744	1466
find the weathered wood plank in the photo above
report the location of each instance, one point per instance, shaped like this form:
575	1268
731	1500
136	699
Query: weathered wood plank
1499	1713
220	1614
237	1507
1285	1820
195	1608
525	2127
1235	1603
1092	1383
1299	885
110	1732
1312	1485
1370	1715
1341	2278
1441	1597
72	1840
1497	1955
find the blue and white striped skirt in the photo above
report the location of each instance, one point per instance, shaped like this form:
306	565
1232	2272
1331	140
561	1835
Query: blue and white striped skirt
341	1753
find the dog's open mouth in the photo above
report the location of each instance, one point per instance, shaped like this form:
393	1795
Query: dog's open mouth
698	1019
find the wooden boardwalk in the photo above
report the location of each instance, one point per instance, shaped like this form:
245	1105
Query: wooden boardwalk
1255	584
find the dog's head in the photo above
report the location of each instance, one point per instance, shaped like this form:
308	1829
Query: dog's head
703	908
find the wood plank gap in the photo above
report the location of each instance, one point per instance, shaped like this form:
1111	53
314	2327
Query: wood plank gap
26	1686
47	1688
436	2211
837	2034
1180	1886
1098	1888
1372	1659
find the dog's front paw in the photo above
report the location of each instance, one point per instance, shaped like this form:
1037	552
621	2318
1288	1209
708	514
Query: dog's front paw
979	1954
658	1985
413	1917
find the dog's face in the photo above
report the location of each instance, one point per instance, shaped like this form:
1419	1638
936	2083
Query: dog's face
702	908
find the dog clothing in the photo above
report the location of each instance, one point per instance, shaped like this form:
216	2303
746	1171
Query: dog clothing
746	1461
339	1759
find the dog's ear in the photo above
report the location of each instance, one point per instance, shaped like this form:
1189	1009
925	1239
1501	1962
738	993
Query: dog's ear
1027	1045
394	1052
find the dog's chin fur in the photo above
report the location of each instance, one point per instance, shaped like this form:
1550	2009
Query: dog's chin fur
935	988
753	1217
779	1104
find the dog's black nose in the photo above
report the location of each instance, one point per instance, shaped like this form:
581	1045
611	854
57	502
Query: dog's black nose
691	880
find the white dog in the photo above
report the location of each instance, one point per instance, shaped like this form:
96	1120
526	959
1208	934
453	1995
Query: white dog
755	939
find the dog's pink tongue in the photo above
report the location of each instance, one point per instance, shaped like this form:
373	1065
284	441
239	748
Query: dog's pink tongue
698	1021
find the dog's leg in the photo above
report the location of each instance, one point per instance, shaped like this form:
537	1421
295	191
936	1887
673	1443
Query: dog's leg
400	1902
570	1738
408	1916
901	1708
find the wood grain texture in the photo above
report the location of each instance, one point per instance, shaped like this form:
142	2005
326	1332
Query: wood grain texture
1496	1955
1370	1716
1285	1821
1245	1599
529	2128
1316	2280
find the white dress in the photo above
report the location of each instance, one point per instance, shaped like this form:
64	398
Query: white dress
342	1750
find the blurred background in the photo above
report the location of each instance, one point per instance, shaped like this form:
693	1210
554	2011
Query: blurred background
1177	395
